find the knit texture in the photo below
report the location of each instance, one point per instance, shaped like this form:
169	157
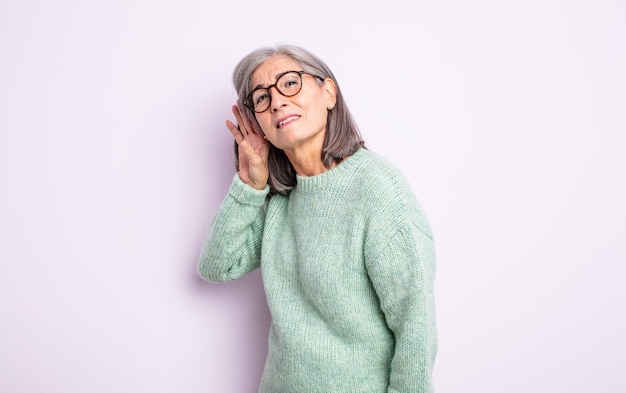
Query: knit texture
348	267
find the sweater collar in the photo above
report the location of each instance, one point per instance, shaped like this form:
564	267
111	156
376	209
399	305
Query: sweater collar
306	184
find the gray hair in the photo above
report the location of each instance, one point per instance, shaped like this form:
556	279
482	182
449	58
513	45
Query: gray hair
342	134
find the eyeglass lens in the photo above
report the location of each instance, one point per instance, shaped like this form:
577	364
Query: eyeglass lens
289	84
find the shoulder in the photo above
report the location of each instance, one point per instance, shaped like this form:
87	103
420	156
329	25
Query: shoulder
379	170
385	182
389	195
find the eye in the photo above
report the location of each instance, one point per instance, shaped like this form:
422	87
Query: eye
290	82
260	97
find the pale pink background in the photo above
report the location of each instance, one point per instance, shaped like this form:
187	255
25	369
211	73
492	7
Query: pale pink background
507	117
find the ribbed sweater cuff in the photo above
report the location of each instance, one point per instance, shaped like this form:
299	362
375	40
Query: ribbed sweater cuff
246	194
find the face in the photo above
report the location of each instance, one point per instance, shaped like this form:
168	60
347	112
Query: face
299	121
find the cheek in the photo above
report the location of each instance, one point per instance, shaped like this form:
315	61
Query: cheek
321	115
315	112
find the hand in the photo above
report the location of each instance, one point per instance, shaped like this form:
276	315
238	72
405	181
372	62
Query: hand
253	150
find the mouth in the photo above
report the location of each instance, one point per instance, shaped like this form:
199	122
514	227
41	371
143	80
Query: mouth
286	120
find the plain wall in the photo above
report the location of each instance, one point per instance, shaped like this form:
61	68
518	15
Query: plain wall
508	118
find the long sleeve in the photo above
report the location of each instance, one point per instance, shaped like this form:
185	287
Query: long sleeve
348	264
232	246
402	274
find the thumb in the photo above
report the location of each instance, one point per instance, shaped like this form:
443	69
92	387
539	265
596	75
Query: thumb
247	149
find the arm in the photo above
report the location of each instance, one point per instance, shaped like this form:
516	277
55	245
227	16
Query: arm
232	246
402	273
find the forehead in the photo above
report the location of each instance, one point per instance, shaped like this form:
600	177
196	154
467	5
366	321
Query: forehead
266	73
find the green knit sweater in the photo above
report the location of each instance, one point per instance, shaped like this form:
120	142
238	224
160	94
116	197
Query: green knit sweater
348	266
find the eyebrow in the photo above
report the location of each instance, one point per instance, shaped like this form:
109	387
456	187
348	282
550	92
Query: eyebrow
257	87
275	79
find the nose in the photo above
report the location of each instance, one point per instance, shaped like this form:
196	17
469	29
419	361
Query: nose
277	99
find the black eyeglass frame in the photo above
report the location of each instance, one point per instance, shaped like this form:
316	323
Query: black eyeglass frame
248	101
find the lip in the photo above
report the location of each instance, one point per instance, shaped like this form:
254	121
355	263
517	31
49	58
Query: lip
289	119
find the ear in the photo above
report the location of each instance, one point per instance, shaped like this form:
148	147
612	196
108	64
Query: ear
330	91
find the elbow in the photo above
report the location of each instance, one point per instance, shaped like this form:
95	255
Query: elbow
209	269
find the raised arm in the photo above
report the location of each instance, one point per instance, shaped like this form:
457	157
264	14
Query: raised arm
232	245
253	149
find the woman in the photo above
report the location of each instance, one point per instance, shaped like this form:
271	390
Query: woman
346	253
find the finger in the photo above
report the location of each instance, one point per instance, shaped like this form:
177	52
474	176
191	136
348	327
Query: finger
249	122
241	120
248	152
235	131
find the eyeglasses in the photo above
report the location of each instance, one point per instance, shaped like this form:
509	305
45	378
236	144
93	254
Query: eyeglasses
288	84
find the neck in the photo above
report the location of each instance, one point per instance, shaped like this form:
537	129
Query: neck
307	162
306	156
